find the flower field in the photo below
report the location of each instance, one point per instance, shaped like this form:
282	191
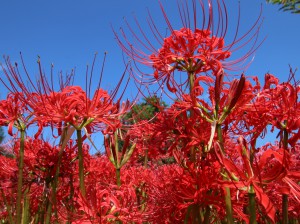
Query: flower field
203	157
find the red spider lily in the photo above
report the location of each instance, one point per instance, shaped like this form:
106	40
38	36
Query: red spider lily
200	189
14	113
283	102
72	106
40	164
153	139
33	95
271	167
275	104
156	191
289	184
109	205
194	52
193	49
144	133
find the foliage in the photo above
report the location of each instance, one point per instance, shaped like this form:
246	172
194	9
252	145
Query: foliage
287	5
144	111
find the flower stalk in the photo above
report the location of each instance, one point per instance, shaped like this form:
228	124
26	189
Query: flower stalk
191	85
118	157
81	165
252	205
20	175
7	204
66	135
228	204
26	213
118	176
285	199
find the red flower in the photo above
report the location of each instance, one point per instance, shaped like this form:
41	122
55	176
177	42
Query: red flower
72	106
14	113
192	49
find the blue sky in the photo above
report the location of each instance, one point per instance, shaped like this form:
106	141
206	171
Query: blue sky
69	32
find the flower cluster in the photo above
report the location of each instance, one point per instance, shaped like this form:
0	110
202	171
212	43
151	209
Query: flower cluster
202	159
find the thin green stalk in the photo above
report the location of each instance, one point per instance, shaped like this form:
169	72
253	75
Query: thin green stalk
146	158
144	195
207	215
8	208
191	81
118	175
220	136
67	133
285	199
228	204
252	205
196	214
26	213
285	212
191	85
44	202
70	200
188	212
193	214
54	187
81	165
20	176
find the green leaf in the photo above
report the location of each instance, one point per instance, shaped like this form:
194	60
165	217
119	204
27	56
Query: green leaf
127	155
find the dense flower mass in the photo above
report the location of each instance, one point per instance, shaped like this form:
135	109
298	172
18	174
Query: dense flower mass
204	158
193	52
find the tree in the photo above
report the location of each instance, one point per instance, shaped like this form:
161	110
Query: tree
287	5
145	110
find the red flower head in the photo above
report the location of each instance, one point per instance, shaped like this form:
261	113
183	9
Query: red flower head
14	113
73	106
192	49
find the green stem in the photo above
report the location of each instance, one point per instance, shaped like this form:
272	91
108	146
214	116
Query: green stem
43	204
118	175
252	206
220	136
26	214
8	208
81	165
54	187
187	215
193	215
285	199
228	204
285	139
196	214
146	158
191	85
285	212
20	176
70	200
144	195
191	81
207	215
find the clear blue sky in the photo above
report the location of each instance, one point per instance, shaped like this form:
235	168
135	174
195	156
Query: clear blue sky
69	32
